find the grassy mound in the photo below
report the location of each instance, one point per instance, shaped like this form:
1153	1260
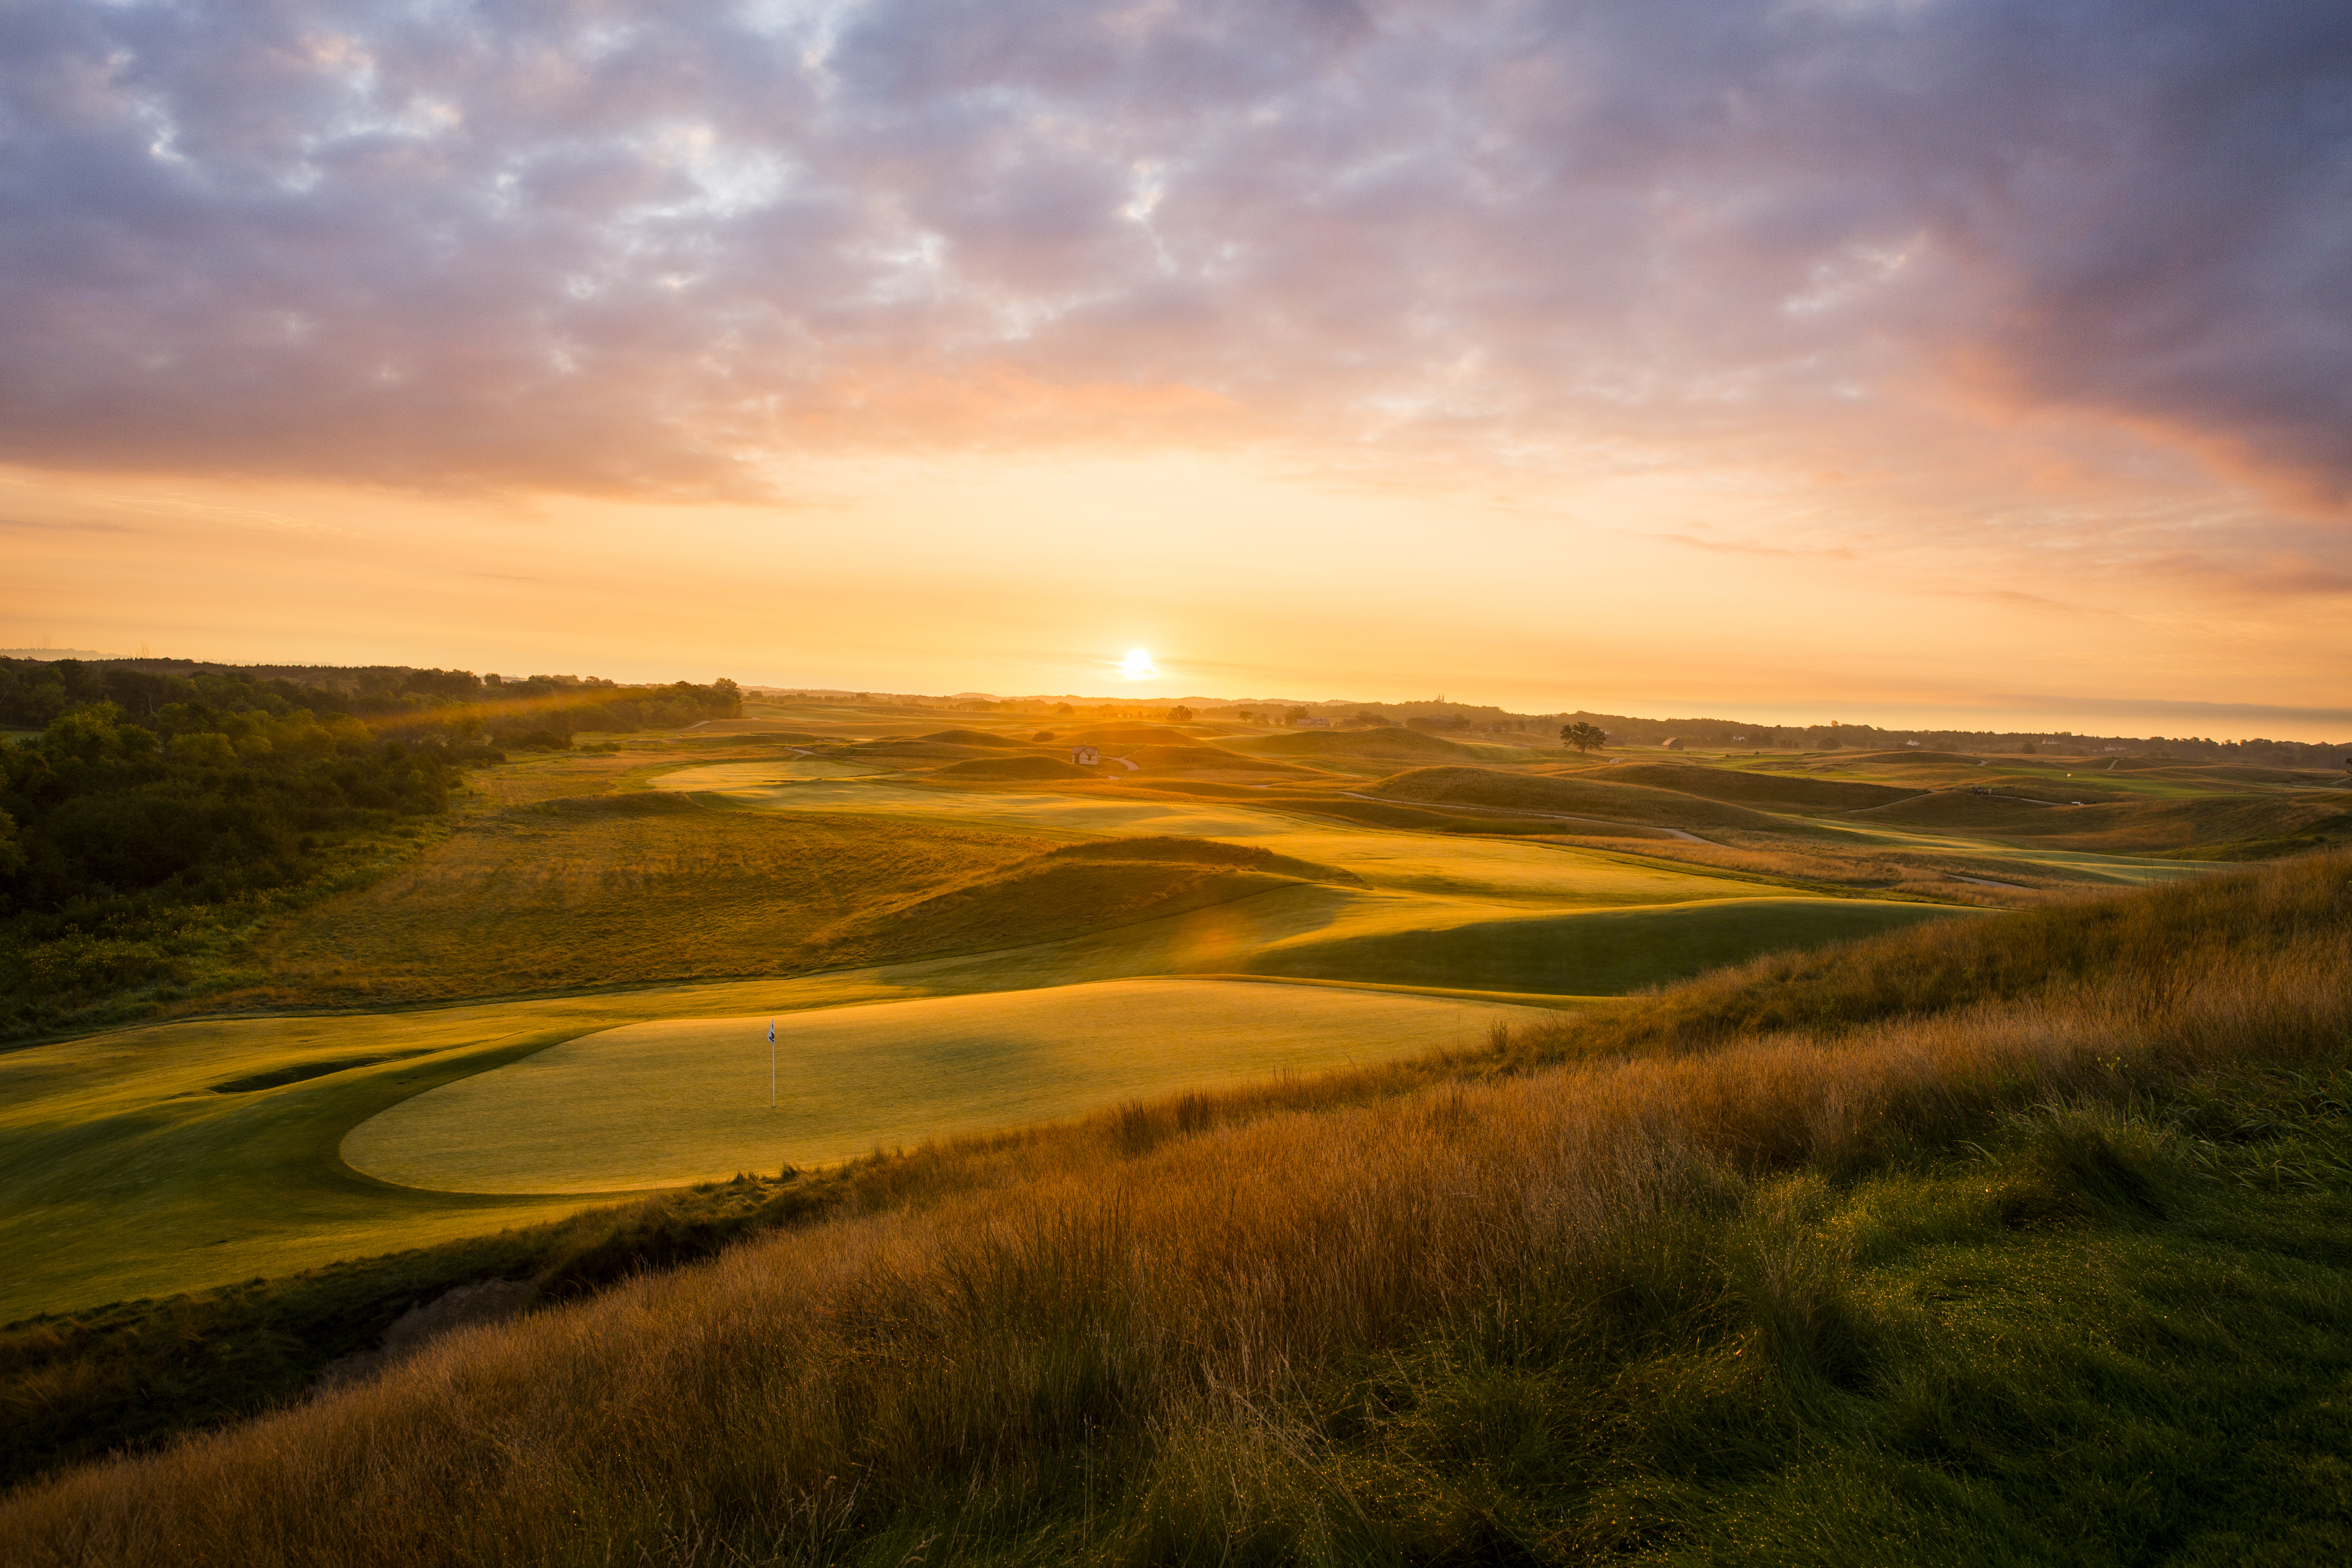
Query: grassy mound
1013	768
1060	894
1200	852
1119	737
972	738
1378	745
1159	757
645	886
1572	795
2210	826
1595	952
1969	759
2054	1272
1795	791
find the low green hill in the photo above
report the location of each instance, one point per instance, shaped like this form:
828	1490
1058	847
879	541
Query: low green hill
1065	892
2209	828
972	738
1573	795
1119	737
1195	756
1013	768
1171	850
1788	791
1378	745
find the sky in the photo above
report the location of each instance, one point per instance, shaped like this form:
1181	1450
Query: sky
1979	363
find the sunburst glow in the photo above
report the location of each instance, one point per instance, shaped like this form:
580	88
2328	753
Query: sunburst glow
1138	665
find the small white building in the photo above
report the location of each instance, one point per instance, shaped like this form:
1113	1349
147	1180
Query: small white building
1674	746
1086	756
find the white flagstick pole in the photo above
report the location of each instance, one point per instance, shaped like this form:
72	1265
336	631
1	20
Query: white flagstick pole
771	1064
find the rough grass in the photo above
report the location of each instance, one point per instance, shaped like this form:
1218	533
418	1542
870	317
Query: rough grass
1573	795
2056	1273
626	888
1013	768
1378	745
1773	791
2213	824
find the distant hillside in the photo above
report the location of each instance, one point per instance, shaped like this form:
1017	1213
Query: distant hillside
1378	745
1574	796
1792	792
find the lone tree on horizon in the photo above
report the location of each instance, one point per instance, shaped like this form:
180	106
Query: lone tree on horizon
1583	737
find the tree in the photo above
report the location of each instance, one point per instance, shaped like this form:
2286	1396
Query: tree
1292	715
1180	714
1583	737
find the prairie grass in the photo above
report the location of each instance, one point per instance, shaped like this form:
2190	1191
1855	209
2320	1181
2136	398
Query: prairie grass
2015	1239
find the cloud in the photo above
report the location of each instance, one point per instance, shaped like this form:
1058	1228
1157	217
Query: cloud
661	250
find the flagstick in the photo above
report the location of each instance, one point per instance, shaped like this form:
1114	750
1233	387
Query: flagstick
771	1064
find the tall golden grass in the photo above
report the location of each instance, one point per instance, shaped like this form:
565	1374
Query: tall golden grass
1141	1303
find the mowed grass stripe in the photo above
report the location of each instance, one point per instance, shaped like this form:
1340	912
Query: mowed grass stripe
661	1103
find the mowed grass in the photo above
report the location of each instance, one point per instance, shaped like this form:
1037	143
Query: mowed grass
2049	1271
666	1103
173	1156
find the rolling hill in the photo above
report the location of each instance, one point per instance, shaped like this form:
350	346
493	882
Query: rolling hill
1572	795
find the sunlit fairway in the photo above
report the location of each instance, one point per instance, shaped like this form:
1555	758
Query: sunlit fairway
680	1101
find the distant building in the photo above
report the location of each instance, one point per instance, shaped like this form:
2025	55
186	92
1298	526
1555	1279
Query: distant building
1084	756
1674	746
1311	722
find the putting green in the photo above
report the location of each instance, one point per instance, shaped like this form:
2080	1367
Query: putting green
658	1104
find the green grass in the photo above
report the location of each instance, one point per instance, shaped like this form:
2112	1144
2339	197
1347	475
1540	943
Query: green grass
1577	794
2090	1341
128	1174
1592	951
660	1104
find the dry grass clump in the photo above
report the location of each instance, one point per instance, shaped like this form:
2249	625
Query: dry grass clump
1145	1315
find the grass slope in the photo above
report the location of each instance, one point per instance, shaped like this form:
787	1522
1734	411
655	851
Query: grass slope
2212	825
1592	953
1055	896
1385	745
2059	1277
640	888
1573	795
1773	790
1013	768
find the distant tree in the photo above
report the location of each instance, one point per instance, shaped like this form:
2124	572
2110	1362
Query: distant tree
1292	715
1180	714
1583	737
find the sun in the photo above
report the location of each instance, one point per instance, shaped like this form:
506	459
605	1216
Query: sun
1138	665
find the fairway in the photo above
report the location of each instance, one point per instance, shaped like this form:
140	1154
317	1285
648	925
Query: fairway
661	1103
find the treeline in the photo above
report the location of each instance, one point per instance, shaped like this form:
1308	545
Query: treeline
1624	730
157	815
454	706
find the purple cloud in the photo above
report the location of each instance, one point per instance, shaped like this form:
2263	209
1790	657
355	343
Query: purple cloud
615	247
